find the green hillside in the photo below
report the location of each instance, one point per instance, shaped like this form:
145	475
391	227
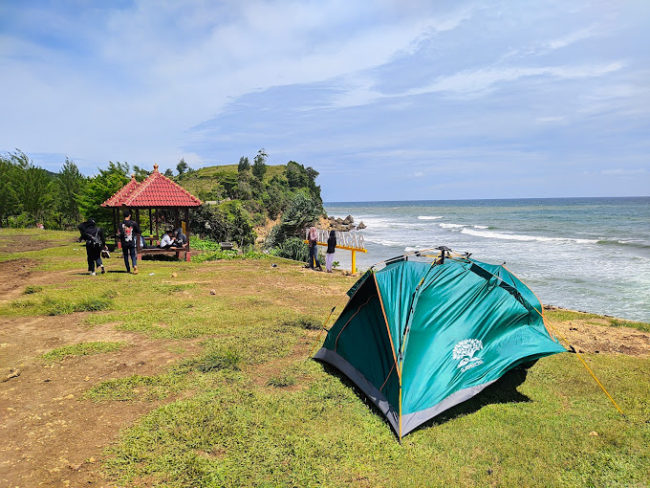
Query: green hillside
203	181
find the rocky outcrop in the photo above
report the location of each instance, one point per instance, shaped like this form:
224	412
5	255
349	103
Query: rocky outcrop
340	224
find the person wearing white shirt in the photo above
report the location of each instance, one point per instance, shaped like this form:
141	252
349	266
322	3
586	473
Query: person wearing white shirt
167	240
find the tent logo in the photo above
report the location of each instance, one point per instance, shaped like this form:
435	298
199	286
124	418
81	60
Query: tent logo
464	351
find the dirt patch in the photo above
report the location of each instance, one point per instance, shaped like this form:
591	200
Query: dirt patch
13	277
601	339
24	242
51	436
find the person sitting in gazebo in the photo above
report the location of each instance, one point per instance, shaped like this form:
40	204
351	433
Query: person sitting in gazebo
167	241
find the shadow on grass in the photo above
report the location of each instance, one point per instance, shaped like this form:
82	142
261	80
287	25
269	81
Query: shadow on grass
504	390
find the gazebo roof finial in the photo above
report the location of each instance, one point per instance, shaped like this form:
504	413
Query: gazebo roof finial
133	176
155	168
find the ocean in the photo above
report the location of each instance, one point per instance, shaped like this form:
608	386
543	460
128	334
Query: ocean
589	254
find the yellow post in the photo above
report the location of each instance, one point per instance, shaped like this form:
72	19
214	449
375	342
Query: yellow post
354	262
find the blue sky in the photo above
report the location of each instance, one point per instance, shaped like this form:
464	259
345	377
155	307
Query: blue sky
388	100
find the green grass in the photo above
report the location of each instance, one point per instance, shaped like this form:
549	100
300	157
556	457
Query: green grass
562	315
248	408
82	349
30	290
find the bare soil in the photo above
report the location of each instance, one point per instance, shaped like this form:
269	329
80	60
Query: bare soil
584	336
23	242
50	435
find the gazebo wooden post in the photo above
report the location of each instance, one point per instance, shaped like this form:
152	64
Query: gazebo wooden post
150	224
138	246
188	254
157	233
114	225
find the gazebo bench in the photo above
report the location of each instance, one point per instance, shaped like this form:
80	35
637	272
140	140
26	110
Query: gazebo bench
159	250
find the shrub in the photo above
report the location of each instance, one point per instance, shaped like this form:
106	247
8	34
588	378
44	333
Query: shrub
29	290
293	248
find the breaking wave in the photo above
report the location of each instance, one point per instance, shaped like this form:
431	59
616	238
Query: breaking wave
429	217
524	237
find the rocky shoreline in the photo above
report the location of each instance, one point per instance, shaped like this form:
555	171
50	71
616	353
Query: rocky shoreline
343	225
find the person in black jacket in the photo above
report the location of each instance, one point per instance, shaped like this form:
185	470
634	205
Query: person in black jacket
95	243
129	232
331	248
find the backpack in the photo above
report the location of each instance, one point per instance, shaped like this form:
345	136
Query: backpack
93	241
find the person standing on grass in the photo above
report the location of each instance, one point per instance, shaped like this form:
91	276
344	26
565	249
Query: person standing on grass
331	248
313	249
95	243
129	230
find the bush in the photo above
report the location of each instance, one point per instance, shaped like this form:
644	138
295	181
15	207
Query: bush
293	248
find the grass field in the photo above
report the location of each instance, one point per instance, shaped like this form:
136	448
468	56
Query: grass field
202	379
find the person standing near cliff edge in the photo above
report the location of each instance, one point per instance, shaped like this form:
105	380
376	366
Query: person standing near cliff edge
331	249
313	249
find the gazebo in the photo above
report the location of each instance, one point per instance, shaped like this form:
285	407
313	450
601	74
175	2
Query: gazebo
156	193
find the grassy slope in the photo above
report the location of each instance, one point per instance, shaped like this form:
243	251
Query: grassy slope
204	178
232	429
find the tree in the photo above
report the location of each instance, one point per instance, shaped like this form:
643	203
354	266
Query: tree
244	165
141	174
34	188
9	204
169	173
182	167
296	175
302	212
69	182
99	189
259	164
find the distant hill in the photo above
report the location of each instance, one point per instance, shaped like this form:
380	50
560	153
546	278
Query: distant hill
203	181
244	208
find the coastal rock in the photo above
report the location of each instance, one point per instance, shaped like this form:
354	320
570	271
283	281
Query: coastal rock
361	225
348	220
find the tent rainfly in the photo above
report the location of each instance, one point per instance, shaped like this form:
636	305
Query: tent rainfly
419	338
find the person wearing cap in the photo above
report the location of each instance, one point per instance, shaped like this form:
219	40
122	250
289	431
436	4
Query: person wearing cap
95	243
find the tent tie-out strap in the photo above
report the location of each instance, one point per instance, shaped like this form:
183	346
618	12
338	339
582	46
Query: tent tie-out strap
584	363
313	350
589	370
336	342
386	380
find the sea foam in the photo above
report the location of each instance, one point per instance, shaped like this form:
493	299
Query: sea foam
524	237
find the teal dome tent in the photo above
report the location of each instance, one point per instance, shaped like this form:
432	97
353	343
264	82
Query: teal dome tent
418	337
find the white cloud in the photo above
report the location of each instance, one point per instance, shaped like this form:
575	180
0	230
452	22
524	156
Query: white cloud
161	68
624	172
571	38
481	80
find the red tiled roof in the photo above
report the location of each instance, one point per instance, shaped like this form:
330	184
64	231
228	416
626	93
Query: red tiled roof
122	194
159	191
